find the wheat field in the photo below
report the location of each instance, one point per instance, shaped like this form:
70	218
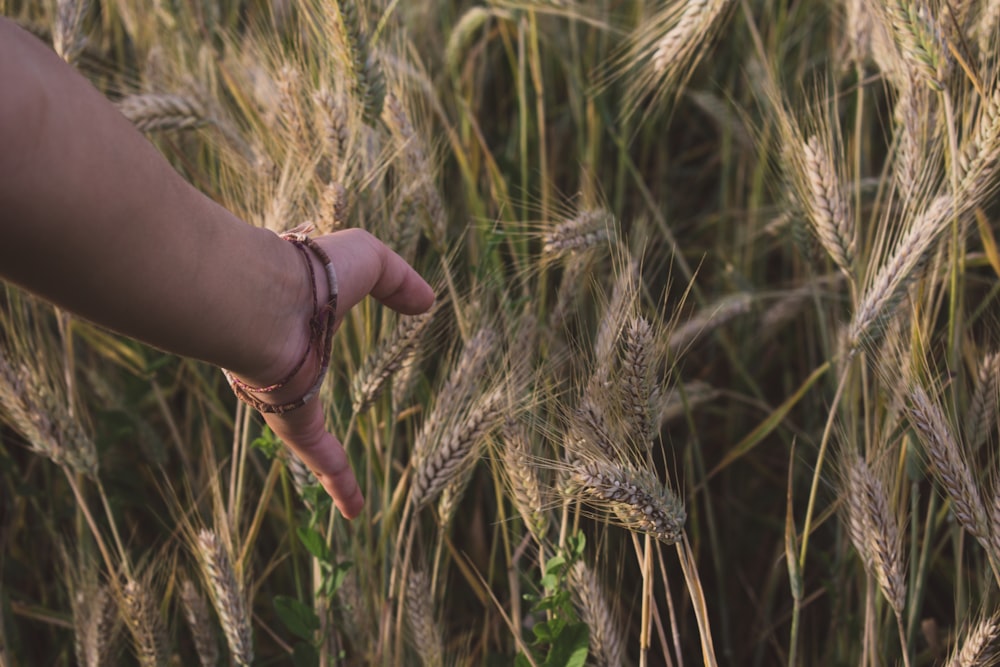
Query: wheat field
713	374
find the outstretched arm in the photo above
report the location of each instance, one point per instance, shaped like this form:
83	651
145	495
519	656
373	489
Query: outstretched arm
93	218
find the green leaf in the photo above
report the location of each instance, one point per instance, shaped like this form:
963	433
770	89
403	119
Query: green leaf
576	544
266	443
555	565
334	576
314	543
300	620
305	655
570	649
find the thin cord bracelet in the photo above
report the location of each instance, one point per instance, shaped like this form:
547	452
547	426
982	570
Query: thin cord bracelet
320	324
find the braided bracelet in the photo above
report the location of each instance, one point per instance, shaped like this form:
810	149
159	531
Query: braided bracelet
320	324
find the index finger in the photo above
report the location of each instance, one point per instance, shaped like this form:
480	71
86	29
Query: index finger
304	430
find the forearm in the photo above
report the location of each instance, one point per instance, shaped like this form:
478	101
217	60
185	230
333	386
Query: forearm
89	207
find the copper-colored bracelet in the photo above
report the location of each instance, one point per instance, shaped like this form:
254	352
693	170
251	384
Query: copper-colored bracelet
321	325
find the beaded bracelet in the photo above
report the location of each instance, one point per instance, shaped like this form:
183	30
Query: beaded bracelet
320	324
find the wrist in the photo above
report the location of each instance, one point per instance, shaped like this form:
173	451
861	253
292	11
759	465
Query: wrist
296	346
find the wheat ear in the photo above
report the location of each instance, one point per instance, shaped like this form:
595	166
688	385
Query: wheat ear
152	111
979	647
982	415
827	205
94	618
380	366
67	32
636	382
636	499
369	82
437	464
887	289
874	530
919	39
228	596
523	479
607	644
33	409
708	318
427	636
948	462
199	621
142	617
588	229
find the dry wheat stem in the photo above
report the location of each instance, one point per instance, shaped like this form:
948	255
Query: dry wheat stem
200	623
948	462
228	595
636	499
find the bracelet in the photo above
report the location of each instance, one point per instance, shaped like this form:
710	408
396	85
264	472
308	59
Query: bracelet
320	324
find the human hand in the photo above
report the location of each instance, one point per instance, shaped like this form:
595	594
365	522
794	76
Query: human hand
363	266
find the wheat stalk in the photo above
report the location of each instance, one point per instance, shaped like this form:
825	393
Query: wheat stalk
228	595
153	111
200	623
